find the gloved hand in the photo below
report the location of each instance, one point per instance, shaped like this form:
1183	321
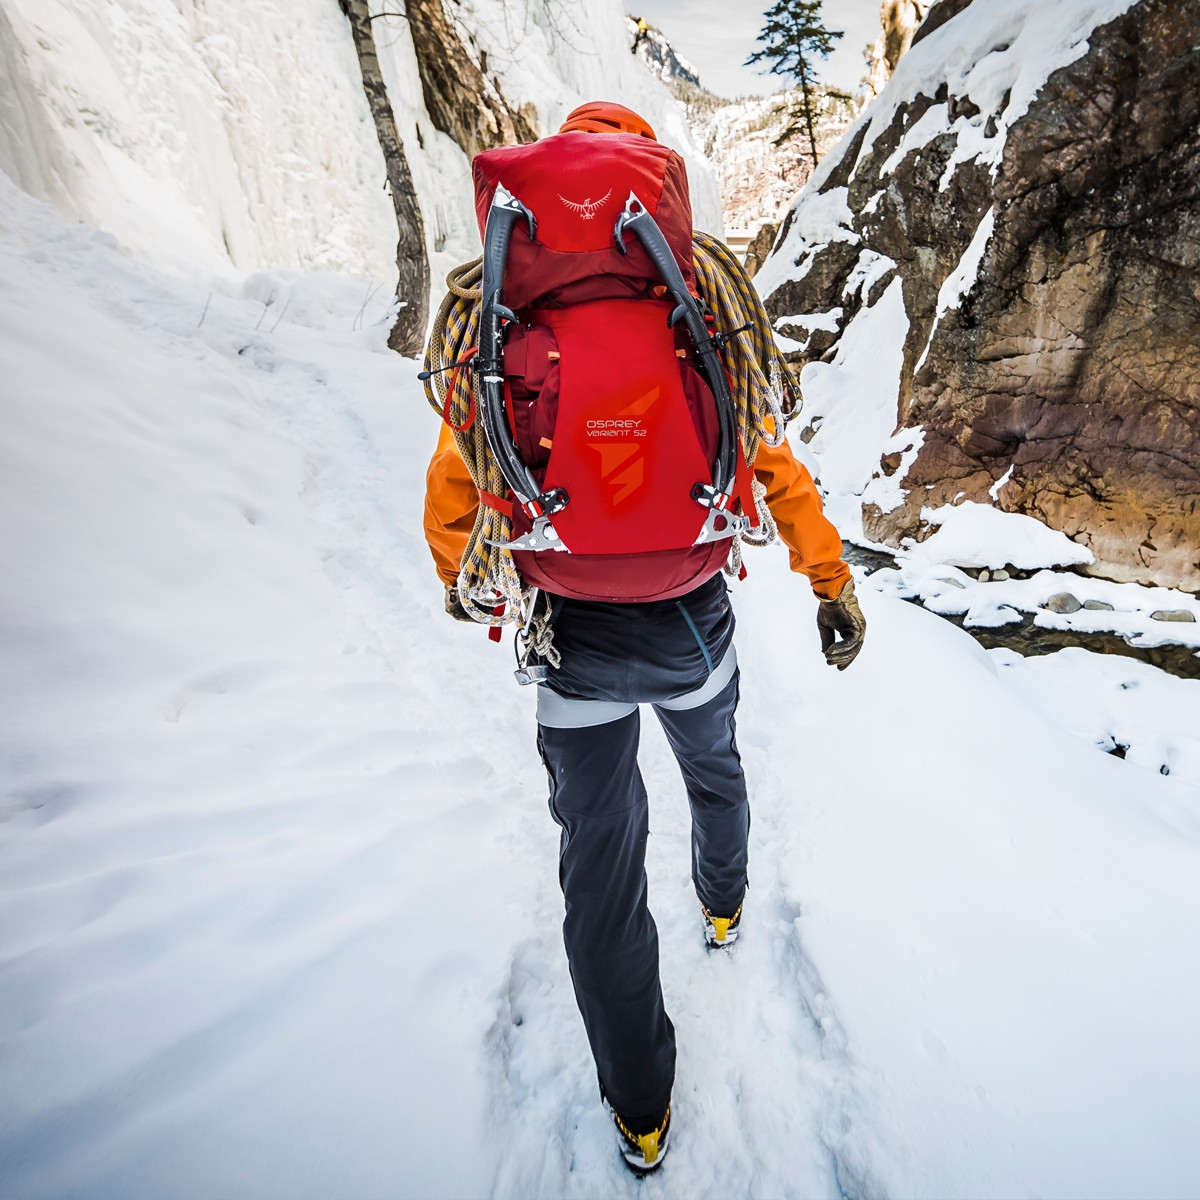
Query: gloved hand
841	616
454	605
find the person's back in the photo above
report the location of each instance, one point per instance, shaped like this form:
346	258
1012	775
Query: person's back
625	462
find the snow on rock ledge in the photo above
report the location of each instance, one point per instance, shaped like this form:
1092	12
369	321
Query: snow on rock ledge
975	535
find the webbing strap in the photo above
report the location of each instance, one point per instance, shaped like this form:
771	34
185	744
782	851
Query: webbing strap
492	501
745	489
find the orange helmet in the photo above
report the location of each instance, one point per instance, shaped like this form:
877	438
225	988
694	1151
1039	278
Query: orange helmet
602	116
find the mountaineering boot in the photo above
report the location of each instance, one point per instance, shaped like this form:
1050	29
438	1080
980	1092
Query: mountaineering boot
720	931
644	1142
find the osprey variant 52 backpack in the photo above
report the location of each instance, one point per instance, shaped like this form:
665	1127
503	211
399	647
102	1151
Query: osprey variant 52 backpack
603	395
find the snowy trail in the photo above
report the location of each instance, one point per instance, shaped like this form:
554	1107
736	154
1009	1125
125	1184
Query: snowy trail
270	923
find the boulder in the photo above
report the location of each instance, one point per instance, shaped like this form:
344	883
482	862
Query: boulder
1063	602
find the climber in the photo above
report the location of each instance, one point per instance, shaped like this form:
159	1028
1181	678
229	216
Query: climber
628	472
643	31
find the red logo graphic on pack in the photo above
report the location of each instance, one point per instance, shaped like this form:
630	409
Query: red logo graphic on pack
623	458
589	207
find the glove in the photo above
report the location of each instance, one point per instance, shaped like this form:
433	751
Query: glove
454	605
841	616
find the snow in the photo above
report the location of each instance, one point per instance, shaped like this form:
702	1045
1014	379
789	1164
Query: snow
1114	702
930	125
278	891
854	397
977	535
225	133
868	271
829	321
962	279
886	491
996	488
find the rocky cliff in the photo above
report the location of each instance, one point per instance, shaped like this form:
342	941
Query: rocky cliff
1024	200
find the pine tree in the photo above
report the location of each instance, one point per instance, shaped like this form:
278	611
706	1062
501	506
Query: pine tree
793	37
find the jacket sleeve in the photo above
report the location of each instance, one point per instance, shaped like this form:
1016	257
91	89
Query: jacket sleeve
792	497
451	502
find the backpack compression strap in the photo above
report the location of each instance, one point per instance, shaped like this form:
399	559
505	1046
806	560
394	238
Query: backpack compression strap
506	212
717	496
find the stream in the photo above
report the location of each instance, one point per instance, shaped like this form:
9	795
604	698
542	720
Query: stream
1029	639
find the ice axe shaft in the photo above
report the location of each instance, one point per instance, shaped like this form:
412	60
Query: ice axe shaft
506	212
636	220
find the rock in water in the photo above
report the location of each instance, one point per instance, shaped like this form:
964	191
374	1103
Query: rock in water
1173	614
1071	358
1063	602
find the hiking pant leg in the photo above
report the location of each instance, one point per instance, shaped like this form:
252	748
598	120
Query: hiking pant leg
598	798
705	746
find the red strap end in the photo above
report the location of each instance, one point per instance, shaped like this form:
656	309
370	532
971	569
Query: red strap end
496	632
504	507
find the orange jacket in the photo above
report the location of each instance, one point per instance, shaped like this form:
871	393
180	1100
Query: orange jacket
451	502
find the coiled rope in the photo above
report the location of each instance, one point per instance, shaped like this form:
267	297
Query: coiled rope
765	395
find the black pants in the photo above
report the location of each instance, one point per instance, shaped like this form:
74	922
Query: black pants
598	798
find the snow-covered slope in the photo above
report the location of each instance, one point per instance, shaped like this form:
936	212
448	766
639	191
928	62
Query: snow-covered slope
278	894
230	132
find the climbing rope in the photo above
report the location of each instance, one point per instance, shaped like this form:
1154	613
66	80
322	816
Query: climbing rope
765	396
764	392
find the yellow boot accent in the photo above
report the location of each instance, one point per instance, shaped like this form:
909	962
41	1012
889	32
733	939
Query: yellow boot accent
648	1145
721	927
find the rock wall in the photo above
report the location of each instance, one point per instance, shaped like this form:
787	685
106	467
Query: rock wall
1074	363
459	97
1050	265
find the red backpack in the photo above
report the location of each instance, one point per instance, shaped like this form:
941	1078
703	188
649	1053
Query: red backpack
603	395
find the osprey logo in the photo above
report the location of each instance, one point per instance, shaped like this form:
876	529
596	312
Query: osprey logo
623	462
589	208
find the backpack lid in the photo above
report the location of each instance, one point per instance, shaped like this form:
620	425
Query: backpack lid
576	185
